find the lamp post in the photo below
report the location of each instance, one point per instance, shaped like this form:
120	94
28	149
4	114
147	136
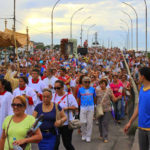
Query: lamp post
124	40
71	21
128	32
27	30
131	28
127	39
89	30
111	44
136	23
145	26
52	24
82	27
14	15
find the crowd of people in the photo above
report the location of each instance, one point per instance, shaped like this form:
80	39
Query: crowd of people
45	83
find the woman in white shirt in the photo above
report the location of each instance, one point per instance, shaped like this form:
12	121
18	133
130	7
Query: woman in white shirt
68	103
28	93
6	98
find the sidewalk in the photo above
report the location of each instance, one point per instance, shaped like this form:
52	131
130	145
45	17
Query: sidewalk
117	139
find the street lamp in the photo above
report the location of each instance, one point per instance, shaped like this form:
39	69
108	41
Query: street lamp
89	30
145	25
128	32
136	23
52	24
82	26
71	21
14	15
124	40
131	28
127	45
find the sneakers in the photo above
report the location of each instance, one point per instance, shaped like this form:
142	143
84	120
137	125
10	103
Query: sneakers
88	139
83	138
105	141
97	122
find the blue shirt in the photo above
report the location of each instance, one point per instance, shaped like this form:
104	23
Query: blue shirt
49	117
86	96
144	109
27	75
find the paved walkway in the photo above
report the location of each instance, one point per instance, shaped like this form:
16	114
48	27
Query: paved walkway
117	139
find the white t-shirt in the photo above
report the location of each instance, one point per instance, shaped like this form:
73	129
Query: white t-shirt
50	81
73	83
67	101
29	92
37	87
5	107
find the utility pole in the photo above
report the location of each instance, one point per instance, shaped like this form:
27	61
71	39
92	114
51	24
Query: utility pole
5	23
14	16
131	28
71	21
136	23
52	32
108	43
145	26
96	37
27	30
82	28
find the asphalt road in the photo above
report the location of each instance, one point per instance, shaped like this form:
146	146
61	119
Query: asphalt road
117	139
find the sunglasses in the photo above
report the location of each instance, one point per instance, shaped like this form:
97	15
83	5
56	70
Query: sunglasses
57	88
87	81
17	105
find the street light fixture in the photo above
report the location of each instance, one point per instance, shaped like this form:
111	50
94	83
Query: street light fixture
131	28
136	23
52	24
14	15
128	32
127	45
89	30
145	25
82	27
124	39
71	21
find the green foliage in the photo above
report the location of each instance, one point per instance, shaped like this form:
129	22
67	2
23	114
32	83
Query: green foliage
148	54
56	47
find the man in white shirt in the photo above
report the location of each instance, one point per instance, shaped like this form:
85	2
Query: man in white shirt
50	80
36	84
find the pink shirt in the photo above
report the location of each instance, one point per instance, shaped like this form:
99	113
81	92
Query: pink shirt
117	88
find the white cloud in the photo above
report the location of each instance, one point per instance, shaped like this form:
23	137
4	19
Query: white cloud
105	14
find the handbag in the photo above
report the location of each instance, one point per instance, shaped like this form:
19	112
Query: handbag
73	124
99	107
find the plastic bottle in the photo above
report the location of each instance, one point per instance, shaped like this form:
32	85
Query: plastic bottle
16	147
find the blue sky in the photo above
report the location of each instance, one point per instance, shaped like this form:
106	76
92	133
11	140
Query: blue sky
106	14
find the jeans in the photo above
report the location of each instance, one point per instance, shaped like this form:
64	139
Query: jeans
122	108
117	109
